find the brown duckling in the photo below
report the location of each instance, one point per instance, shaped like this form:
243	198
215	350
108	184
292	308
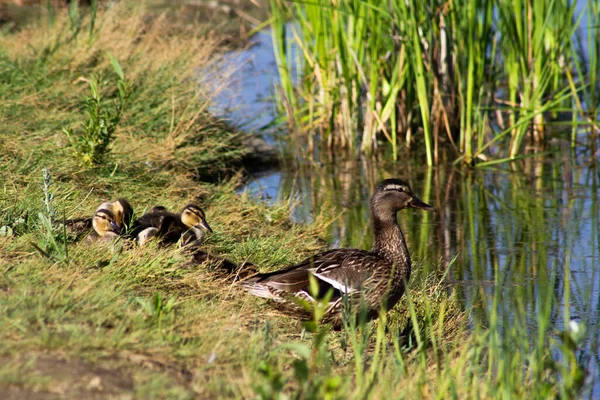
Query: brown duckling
122	211
111	220
186	228
373	279
105	227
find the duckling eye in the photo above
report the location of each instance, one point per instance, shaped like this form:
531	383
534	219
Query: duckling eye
194	212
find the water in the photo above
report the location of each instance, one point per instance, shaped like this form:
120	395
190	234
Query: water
518	231
245	99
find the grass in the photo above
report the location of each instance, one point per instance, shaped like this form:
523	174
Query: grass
525	242
110	320
166	136
483	78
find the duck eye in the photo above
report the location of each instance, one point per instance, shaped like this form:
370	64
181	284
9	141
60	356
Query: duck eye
395	188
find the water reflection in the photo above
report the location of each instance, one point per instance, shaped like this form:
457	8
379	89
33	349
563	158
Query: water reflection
525	234
518	230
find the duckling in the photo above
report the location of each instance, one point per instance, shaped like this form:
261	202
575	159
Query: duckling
105	226
145	235
111	220
194	218
374	280
168	228
185	228
122	211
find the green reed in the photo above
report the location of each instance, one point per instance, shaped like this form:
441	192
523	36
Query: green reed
426	75
535	40
522	242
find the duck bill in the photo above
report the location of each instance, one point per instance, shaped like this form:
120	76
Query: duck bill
114	227
204	225
416	203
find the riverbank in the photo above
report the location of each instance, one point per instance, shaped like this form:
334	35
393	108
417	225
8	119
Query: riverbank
82	321
87	321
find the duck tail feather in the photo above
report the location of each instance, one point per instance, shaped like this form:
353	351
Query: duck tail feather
258	289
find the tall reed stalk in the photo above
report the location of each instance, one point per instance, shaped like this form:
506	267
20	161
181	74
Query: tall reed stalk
477	75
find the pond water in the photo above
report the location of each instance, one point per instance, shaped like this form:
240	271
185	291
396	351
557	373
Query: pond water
523	231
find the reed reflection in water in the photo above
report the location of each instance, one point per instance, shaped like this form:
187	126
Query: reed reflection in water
525	235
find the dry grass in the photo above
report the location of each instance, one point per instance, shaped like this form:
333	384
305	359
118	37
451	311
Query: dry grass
166	122
96	321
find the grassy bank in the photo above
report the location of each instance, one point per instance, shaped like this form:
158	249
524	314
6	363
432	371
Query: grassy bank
97	321
85	321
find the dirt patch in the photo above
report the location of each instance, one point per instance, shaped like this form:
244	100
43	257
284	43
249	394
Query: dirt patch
47	376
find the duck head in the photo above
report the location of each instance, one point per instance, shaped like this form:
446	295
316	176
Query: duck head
393	195
104	223
122	212
144	236
193	216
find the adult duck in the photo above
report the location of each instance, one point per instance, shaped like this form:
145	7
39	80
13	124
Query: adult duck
374	279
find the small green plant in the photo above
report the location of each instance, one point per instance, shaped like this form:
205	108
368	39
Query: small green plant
274	384
54	242
14	222
157	307
92	146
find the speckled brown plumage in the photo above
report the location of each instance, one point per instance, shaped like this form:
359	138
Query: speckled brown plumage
373	278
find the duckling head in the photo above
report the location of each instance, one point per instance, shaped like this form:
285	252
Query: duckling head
104	223
393	195
193	216
123	212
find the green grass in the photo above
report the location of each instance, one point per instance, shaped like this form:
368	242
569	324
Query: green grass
81	320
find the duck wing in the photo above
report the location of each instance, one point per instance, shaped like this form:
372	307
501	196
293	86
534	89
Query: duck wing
343	270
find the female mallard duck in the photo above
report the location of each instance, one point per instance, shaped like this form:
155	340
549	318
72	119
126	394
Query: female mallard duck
372	279
111	220
185	228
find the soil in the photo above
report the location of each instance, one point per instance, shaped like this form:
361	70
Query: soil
55	376
58	376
